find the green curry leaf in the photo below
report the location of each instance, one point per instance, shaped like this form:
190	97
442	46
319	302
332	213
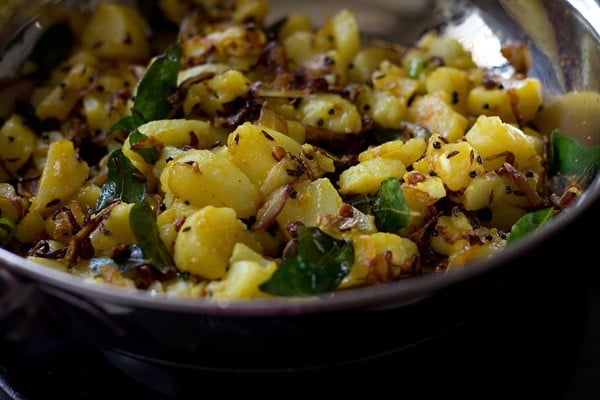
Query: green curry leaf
529	223
125	182
389	207
158	83
142	221
130	258
144	147
320	266
571	158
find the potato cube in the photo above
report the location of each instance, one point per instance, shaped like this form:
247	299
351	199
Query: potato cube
117	32
381	257
330	111
62	177
206	241
203	178
17	142
251	147
311	200
116	230
366	177
434	112
494	140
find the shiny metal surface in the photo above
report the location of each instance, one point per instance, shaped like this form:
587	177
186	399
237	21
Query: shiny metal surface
565	59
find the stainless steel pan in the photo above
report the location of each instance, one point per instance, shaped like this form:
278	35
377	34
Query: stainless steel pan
362	323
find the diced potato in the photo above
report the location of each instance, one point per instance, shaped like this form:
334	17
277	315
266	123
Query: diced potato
452	234
12	205
168	223
524	95
330	111
367	61
408	152
61	100
504	216
117	32
87	196
63	175
480	191
345	35
183	132
59	226
206	241
203	178
17	142
389	149
455	163
381	257
421	190
310	201
250	10
387	110
393	79
366	177
248	270
434	112
251	147
210	95
454	82
294	23
448	49
493	243
30	228
116	229
494	139
573	113
302	46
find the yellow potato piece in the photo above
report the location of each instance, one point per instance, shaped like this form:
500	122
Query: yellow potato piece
206	241
62	177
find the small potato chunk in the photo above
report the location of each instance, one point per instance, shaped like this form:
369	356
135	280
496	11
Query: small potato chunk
434	112
523	96
17	143
117	32
381	257
61	100
455	163
493	245
366	177
311	201
345	35
203	178
12	205
422	190
183	132
452	81
206	241
210	95
116	229
494	140
30	228
367	61
62	177
452	234
251	148
330	111
248	270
